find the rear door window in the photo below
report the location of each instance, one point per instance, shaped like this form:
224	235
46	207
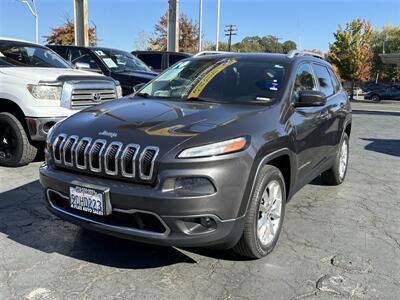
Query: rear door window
324	79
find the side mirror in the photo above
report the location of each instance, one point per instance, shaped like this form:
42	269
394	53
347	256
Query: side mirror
82	66
138	87
310	98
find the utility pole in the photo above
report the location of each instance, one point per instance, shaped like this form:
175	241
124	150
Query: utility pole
81	22
34	12
218	13
173	26
200	24
229	31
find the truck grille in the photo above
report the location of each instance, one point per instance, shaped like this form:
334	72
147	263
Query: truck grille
81	98
109	159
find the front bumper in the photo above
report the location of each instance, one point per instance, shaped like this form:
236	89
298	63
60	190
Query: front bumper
179	217
39	127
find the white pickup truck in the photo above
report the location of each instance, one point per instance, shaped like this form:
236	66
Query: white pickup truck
37	89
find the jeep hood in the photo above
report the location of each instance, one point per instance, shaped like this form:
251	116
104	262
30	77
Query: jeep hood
152	122
34	75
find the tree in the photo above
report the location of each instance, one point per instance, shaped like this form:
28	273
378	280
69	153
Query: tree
142	41
256	43
385	40
188	35
316	51
65	34
351	52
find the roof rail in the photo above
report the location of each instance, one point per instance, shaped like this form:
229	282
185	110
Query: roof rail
293	53
203	53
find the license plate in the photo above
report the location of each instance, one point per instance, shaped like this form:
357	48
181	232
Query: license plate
90	199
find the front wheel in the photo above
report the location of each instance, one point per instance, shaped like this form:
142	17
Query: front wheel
375	98
15	147
336	174
265	214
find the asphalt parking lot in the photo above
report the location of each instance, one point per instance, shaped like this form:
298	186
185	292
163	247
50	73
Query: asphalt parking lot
339	241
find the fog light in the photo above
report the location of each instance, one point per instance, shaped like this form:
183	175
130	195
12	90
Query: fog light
207	222
189	186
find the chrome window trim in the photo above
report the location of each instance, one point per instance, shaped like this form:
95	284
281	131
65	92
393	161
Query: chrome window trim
84	166
137	149
141	175
106	170
59	161
71	164
91	168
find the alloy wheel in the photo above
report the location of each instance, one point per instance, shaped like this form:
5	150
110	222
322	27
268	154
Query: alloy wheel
269	213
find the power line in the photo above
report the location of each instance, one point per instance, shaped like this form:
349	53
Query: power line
229	31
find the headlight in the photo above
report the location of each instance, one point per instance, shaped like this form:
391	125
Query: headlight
118	88
46	92
219	148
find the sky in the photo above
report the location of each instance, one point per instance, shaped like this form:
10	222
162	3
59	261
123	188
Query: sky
310	23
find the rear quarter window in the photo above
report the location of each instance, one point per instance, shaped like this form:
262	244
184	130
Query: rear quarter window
153	60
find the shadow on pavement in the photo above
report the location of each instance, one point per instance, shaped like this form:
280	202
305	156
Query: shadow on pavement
25	220
385	146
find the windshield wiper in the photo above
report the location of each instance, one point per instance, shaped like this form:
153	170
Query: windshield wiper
143	95
200	99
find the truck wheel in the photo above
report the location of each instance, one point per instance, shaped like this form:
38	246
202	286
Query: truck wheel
15	147
336	174
265	214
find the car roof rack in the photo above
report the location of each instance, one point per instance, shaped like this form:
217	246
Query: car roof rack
203	53
293	53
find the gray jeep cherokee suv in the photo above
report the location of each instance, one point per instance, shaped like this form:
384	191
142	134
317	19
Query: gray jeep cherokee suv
206	154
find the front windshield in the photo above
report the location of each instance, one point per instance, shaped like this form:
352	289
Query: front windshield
227	80
29	56
120	61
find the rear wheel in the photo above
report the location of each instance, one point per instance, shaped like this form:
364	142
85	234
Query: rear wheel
336	174
15	147
265	214
375	98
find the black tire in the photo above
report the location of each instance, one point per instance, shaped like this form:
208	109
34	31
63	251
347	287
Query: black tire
15	147
249	244
333	176
375	98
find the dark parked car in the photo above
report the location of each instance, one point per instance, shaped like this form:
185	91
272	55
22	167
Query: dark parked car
160	60
120	65
388	93
207	154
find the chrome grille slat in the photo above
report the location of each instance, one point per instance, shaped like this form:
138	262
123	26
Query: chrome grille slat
57	146
97	156
81	151
113	146
68	150
144	155
102	145
126	159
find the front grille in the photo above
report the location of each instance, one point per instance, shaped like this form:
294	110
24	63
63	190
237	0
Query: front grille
101	157
81	98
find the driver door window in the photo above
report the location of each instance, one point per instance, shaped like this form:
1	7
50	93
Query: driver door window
304	81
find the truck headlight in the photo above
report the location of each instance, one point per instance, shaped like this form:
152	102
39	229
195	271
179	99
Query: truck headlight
118	89
214	149
45	92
